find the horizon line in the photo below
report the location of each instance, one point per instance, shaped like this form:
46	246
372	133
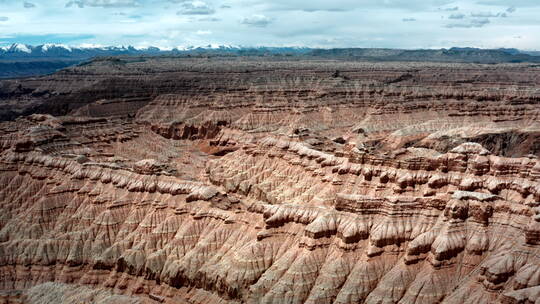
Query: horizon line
220	46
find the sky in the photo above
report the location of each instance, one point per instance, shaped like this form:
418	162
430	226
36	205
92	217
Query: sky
409	24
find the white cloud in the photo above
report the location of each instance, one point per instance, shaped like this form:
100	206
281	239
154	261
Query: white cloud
471	24
485	15
456	16
518	3
323	23
451	9
103	3
209	19
195	8
256	20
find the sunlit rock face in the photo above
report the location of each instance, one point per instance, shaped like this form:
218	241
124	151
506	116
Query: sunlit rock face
219	180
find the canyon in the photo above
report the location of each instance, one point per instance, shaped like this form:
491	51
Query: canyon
270	179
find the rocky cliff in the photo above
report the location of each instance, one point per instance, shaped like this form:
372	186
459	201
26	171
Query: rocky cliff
272	181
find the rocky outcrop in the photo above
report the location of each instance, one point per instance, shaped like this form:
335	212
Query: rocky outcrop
282	191
437	106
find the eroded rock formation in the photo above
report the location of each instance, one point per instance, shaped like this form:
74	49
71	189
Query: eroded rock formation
274	182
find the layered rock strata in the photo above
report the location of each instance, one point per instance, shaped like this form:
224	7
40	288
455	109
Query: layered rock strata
303	189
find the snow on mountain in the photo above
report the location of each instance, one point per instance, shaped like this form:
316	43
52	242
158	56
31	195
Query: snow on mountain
51	49
211	46
21	48
47	46
90	46
77	54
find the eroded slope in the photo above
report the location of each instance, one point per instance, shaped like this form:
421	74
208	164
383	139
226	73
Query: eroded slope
285	184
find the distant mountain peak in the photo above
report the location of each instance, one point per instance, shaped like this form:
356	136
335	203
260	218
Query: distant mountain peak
19	47
17	60
49	46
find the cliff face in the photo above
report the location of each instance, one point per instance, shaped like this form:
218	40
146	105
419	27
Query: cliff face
264	181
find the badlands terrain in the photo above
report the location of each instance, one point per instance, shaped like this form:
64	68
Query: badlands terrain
271	180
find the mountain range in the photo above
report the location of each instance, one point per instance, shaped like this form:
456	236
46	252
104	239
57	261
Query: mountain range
22	60
17	51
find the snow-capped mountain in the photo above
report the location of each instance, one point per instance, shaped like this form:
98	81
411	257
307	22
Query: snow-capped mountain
60	51
16	48
63	52
20	60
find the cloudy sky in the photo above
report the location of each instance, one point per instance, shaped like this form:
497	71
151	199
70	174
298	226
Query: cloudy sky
313	23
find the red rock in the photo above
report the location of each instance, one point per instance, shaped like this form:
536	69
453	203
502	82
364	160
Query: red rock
193	182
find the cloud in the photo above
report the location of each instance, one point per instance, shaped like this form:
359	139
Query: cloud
486	15
457	16
408	19
451	9
256	21
479	22
474	23
518	3
103	3
195	8
312	10
314	23
3	19
347	5
201	32
28	5
209	19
